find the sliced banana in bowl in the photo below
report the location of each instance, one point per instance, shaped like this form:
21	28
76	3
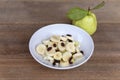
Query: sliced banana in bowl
61	46
60	50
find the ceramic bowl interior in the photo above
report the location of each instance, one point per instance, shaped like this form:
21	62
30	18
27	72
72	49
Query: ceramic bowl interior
86	42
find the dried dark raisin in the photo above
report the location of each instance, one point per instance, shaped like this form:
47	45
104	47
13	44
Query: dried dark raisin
74	53
49	48
57	50
62	44
54	45
69	35
82	52
56	61
70	60
69	40
61	40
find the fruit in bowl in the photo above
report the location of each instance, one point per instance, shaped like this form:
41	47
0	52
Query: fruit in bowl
60	50
61	46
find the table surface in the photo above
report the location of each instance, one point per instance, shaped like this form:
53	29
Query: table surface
19	19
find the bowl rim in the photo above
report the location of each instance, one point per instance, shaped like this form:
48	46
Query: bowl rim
61	68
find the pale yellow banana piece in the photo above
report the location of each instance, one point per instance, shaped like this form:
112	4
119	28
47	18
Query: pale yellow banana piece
66	56
77	50
41	48
48	43
58	56
55	38
64	63
49	58
73	60
77	56
70	47
63	38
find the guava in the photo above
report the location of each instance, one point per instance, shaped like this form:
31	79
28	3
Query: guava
88	23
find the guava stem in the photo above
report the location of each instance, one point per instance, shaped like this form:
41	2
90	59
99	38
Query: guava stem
89	10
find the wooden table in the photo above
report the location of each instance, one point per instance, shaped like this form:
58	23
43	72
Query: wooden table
19	19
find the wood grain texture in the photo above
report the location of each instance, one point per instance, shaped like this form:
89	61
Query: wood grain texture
19	19
41	11
17	63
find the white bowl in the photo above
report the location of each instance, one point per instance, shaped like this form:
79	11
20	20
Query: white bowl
86	42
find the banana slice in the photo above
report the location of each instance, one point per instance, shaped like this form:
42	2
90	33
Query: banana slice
47	42
41	48
61	46
58	56
70	47
66	56
64	63
77	56
55	38
49	58
63	38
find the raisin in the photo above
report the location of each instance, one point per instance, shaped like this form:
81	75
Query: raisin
54	45
70	60
69	35
56	61
49	48
62	44
82	52
74	53
61	40
57	50
69	40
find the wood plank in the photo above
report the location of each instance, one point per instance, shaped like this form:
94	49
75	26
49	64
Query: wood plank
40	11
16	63
53	0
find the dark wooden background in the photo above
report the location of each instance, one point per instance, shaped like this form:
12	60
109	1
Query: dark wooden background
19	19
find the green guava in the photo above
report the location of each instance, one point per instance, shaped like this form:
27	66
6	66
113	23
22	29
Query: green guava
88	23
